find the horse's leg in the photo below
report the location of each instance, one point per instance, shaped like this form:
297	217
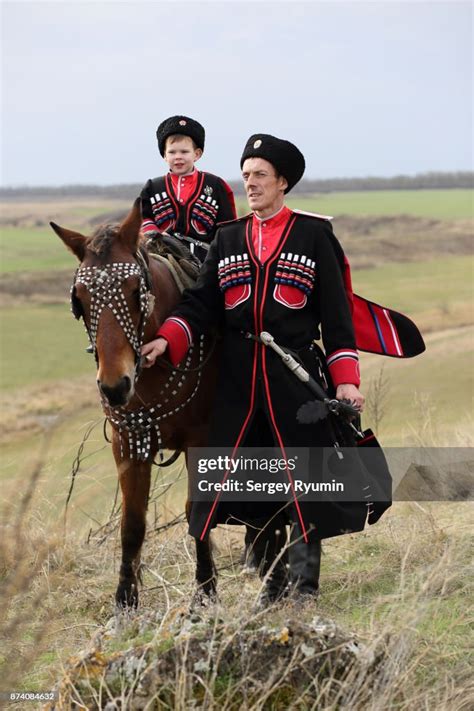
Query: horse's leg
134	478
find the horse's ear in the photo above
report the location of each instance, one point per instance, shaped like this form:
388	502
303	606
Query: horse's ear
130	227
73	240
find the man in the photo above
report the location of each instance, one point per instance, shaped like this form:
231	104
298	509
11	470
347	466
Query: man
280	271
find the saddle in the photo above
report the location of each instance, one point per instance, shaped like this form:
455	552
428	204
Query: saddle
183	265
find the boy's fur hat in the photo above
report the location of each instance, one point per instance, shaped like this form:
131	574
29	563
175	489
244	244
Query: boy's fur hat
180	125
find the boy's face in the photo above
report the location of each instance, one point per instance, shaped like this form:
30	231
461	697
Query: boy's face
181	155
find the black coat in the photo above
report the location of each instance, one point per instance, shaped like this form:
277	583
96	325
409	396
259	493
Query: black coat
212	202
293	299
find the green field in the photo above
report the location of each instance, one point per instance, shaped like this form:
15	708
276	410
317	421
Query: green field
33	249
43	347
41	344
440	204
45	343
414	288
44	351
39	249
403	582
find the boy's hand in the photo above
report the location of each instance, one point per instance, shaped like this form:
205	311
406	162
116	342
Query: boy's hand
347	391
152	350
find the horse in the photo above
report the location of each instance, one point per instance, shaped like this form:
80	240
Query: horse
123	296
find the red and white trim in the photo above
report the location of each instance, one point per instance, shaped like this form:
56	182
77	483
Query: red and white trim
344	367
396	341
148	226
178	333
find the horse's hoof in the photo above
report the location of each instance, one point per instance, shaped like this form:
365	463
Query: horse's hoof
126	597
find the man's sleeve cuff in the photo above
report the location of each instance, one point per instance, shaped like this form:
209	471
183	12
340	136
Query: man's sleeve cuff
344	367
178	334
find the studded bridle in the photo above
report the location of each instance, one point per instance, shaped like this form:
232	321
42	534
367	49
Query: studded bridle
105	286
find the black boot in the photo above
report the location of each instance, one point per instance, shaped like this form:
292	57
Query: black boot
267	541
249	563
305	563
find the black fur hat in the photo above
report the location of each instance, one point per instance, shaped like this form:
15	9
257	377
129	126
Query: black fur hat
283	155
181	125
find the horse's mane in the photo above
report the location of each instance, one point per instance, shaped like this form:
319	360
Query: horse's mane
103	238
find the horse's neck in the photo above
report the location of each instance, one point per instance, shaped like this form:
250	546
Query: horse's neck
165	290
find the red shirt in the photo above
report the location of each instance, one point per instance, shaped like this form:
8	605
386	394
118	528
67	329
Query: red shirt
266	233
184	185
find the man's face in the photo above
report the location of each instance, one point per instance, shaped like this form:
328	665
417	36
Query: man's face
264	189
181	155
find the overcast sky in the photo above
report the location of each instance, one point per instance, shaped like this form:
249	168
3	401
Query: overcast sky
363	88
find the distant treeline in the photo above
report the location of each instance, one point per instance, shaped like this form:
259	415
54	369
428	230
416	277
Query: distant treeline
128	191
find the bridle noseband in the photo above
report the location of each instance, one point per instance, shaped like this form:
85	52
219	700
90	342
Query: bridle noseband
104	285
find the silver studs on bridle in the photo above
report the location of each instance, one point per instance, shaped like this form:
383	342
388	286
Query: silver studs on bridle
104	285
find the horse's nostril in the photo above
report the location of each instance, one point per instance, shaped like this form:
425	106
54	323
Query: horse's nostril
116	394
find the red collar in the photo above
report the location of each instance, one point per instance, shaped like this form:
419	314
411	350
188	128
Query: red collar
184	185
266	233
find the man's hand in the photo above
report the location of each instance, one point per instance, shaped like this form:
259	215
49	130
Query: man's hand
347	391
151	351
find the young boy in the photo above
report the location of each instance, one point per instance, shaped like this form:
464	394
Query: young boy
186	201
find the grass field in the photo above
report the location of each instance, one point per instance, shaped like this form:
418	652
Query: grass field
33	248
44	344
440	289
443	284
442	204
404	580
42	347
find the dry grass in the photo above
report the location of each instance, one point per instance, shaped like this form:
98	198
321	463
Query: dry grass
400	591
28	411
401	588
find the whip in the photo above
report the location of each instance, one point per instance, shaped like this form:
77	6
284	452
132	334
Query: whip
310	411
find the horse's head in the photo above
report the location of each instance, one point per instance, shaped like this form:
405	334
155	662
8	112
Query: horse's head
112	293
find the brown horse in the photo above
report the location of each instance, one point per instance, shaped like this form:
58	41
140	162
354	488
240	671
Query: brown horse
123	297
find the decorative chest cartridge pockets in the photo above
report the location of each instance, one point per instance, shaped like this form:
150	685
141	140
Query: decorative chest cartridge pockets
294	280
204	214
235	279
163	213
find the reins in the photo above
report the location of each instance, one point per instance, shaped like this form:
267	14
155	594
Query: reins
167	463
163	361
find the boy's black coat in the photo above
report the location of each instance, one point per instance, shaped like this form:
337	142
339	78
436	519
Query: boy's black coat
198	217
